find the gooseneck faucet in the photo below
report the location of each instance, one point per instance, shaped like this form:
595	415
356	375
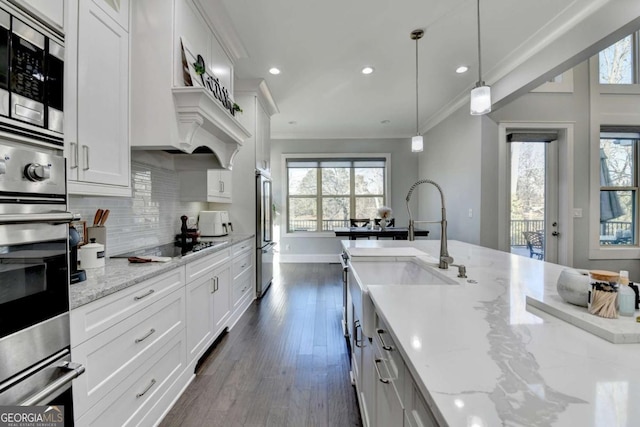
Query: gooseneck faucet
445	258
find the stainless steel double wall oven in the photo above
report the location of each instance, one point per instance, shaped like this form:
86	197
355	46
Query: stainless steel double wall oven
35	366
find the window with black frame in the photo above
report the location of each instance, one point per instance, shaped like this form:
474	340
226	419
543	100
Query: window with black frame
619	185
326	193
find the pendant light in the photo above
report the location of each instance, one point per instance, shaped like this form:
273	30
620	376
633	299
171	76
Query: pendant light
416	141
481	94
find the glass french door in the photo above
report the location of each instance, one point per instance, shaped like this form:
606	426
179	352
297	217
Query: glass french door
533	199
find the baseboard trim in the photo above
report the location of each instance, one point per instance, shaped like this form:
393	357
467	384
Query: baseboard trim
310	258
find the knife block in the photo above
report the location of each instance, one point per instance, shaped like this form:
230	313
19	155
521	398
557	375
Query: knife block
98	233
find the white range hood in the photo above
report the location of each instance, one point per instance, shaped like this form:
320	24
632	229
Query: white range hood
204	122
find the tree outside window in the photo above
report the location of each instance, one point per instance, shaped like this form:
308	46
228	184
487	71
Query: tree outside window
618	62
327	193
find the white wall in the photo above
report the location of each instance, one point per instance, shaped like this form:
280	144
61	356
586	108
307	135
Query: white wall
404	172
461	154
452	158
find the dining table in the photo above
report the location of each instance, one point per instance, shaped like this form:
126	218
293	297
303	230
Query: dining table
396	233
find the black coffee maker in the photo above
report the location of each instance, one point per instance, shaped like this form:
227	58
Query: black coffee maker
76	274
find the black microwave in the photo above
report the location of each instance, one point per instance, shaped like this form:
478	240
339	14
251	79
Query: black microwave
31	79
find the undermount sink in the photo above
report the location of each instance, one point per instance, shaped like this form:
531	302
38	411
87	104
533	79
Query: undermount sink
391	273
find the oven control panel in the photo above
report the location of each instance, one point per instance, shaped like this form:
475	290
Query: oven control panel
31	171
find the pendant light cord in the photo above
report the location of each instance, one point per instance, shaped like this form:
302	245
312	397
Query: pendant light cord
417	128
479	51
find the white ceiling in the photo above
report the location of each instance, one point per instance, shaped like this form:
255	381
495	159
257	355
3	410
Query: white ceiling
321	46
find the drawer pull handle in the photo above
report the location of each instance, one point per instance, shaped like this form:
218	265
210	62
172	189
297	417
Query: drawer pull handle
243	266
137	298
356	341
146	336
139	395
382	380
384	346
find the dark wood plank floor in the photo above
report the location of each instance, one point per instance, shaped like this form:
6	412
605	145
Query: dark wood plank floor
284	364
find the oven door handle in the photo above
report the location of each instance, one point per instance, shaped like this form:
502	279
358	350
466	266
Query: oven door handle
53	217
39	398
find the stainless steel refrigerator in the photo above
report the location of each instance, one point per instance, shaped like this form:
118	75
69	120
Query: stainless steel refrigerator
264	234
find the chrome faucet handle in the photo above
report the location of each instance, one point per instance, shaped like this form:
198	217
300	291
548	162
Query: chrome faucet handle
462	270
445	261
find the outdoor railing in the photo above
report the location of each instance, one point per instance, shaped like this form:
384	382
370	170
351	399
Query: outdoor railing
520	225
311	224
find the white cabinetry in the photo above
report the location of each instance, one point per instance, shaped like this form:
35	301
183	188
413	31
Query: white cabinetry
208	301
48	11
387	393
166	113
255	99
132	344
97	97
243	287
211	185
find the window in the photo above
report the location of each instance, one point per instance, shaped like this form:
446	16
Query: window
326	193
619	62
618	188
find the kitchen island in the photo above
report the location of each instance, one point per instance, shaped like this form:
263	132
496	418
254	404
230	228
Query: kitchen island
480	357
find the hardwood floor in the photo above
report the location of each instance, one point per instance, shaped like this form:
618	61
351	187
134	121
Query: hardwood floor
284	364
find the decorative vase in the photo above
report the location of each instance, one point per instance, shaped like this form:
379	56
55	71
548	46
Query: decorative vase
573	286
383	223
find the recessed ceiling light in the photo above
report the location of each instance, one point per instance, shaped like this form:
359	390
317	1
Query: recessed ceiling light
462	69
367	70
384	122
275	71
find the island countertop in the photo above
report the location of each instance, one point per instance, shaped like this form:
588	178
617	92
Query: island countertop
480	358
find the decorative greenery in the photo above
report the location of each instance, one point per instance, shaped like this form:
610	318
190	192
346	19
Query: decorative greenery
237	108
199	68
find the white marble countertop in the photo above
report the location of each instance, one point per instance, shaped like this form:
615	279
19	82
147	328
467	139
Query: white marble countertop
118	273
482	360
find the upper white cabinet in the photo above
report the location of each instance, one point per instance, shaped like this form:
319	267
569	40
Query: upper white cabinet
97	98
212	185
49	11
258	106
167	112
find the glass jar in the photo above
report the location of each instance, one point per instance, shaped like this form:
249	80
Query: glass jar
603	293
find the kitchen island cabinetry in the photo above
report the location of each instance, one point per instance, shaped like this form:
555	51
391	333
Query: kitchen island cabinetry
132	344
211	185
97	98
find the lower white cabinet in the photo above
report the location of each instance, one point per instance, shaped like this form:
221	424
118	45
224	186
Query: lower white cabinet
387	393
140	345
132	346
244	279
208	301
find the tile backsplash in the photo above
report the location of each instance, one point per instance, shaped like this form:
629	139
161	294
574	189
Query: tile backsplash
150	217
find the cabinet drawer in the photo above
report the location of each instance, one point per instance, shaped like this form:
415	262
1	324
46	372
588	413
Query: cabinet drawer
242	263
91	319
207	264
129	402
120	351
242	286
390	354
417	411
238	248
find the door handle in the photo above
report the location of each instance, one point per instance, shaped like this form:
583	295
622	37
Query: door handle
85	148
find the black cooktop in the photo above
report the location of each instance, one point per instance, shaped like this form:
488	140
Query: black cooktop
169	249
